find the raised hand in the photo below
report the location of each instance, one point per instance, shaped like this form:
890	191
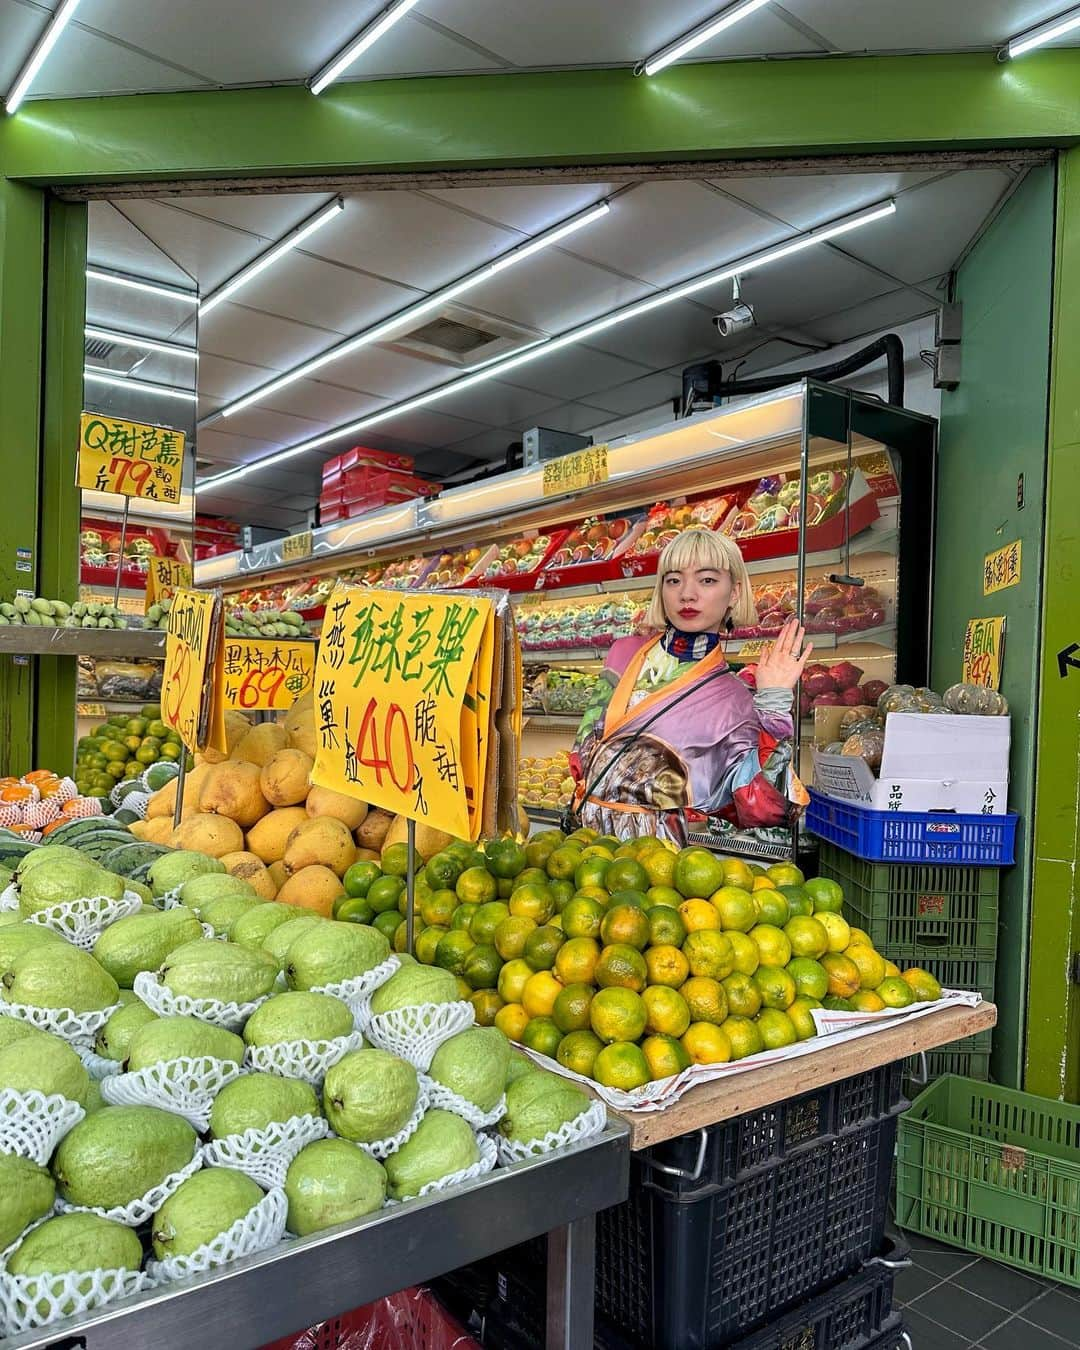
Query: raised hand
781	667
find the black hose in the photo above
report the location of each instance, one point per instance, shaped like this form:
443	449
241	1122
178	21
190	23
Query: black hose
890	346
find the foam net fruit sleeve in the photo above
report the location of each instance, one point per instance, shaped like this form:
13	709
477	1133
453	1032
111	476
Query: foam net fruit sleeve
445	1099
82	921
416	1033
264	1155
261	1227
591	1122
137	1212
165	1003
30	1301
78	1029
32	1124
308	1060
186	1087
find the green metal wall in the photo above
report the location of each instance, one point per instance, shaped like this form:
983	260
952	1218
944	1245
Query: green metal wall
1053	1043
993	429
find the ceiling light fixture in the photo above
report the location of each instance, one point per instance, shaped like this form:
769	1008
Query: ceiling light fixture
582	333
141	343
676	50
272	254
406	317
1040	36
144	386
48	40
366	38
139	284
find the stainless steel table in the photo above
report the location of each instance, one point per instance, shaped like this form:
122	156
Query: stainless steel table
301	1282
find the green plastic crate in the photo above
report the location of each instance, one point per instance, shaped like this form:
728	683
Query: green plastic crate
917	911
994	1171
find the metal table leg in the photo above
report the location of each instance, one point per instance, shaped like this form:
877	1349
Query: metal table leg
571	1279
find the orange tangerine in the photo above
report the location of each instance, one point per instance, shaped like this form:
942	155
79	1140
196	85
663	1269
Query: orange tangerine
666	1012
666	928
582	917
867	1001
699	914
540	992
618	1015
578	1051
776	987
621	966
799	1012
895	992
625	924
923	985
709	952
570	1011
512	1019
777	1028
807	936
511	935
742	994
843	974
773	946
697	873
666	965
747	958
665	1056
736	907
707	1044
542	1035
621	1066
706	999
870	965
513	978
575	961
743	1037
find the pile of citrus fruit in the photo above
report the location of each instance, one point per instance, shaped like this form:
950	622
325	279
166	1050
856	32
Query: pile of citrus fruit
628	962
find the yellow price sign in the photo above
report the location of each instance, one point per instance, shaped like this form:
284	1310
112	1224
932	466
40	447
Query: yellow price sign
294	547
984	645
398	687
266	674
752	648
193	675
1001	569
134	459
165	576
572	473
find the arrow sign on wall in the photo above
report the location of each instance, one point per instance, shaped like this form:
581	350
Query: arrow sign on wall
1067	657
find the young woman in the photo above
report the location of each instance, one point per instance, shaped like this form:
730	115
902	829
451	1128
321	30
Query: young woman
672	740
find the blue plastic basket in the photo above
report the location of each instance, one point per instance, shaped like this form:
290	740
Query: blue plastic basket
913	836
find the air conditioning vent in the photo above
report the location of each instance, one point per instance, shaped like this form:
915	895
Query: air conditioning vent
463	337
455	337
98	349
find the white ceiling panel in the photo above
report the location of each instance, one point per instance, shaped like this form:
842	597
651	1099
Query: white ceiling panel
269	215
221	379
277	429
136	312
554	291
797	289
881	312
931	227
84	62
528	209
667	232
388	374
649	391
319	399
277	343
575	372
495	404
430	429
225	447
208	250
675	333
806	202
579	418
115	242
323	294
924	25
569	32
411	239
486	444
20	28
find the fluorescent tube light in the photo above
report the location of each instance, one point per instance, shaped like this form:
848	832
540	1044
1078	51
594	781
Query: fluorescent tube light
582	333
267	259
366	38
144	386
676	50
406	317
1044	33
141	343
138	284
48	40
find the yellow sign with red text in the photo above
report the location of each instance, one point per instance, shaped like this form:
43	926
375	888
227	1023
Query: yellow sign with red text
193	678
402	703
266	674
984	645
164	577
134	459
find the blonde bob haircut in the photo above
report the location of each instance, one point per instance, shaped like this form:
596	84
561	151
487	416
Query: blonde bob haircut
697	549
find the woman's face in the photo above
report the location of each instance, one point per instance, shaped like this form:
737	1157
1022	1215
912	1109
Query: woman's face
697	599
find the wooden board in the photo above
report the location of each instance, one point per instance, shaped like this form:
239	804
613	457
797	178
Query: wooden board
735	1096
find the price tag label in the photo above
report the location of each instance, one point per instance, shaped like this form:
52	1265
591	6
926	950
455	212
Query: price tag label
984	646
165	576
134	459
266	674
1001	569
193	676
295	547
90	710
400	684
754	648
571	473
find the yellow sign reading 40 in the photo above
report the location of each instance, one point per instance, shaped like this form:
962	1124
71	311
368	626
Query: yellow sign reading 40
398	684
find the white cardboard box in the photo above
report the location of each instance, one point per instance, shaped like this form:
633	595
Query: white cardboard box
931	762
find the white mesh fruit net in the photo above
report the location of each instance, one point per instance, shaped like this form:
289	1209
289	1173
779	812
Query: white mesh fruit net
265	1155
261	1227
186	1087
32	1124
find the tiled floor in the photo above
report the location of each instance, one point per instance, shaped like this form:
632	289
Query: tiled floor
952	1300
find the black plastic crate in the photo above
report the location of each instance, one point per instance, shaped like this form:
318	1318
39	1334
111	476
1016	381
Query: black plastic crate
706	1250
851	1315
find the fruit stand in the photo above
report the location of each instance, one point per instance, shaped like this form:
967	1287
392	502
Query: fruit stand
309	1280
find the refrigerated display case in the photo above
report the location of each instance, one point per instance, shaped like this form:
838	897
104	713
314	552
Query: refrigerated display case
830	494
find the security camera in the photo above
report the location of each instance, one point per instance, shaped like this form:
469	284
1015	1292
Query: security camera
734	320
